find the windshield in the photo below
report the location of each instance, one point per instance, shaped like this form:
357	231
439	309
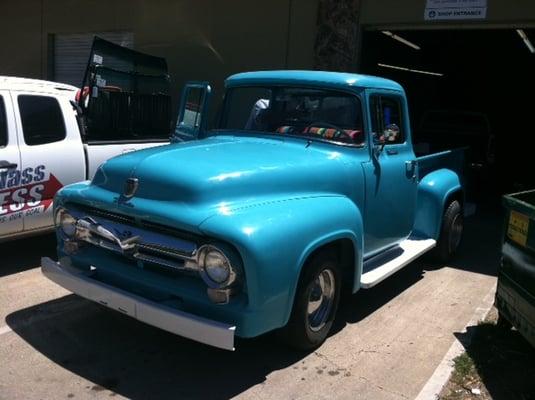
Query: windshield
310	113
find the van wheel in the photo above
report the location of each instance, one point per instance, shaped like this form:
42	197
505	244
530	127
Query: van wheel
451	232
315	304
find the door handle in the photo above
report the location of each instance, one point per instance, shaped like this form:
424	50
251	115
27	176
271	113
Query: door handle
391	152
6	165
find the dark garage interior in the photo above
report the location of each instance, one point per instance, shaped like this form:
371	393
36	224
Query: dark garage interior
466	87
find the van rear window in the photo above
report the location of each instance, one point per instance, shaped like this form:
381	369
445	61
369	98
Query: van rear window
42	120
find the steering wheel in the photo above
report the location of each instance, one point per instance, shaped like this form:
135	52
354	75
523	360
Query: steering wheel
323	124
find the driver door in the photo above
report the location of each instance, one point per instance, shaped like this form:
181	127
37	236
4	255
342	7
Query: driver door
391	181
193	111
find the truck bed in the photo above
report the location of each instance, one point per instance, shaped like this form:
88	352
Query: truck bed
450	159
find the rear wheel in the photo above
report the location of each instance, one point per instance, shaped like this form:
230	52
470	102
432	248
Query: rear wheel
503	323
451	232
315	304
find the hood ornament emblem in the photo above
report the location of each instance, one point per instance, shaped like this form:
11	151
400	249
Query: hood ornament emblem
130	188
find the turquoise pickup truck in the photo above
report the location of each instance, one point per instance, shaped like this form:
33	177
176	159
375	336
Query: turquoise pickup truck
305	186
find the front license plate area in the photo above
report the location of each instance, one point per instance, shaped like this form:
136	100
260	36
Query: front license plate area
111	300
518	228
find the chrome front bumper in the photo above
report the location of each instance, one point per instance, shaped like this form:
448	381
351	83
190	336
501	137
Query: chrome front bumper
196	328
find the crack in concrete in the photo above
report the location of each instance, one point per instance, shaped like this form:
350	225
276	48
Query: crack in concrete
334	364
374	351
382	388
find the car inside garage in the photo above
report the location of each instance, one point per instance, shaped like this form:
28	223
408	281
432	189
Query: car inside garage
466	87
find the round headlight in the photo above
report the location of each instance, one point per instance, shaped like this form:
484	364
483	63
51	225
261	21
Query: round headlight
215	267
66	223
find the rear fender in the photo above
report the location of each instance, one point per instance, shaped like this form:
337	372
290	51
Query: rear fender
434	190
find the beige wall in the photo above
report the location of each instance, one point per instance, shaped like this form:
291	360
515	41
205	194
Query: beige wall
410	14
208	39
201	39
20	38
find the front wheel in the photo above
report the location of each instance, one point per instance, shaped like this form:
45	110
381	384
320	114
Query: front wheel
315	304
451	232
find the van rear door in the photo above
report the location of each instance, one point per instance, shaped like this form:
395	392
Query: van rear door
51	151
125	100
11	201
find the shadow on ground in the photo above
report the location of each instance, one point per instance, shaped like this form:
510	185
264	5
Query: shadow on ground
480	250
504	360
24	254
137	361
115	352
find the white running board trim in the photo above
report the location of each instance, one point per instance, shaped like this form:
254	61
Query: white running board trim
411	250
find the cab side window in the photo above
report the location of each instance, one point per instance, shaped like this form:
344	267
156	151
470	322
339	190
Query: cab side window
387	119
3	124
42	119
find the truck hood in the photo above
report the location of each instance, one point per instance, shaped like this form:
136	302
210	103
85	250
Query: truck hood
230	171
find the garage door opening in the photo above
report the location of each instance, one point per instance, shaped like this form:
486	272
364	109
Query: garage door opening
461	83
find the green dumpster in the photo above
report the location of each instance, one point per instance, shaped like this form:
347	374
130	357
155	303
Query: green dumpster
515	295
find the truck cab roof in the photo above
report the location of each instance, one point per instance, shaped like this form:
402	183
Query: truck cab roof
316	78
35	85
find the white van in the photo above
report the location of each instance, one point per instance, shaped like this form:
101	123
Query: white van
52	134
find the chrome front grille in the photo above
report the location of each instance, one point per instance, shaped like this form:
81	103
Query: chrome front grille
97	212
169	258
119	234
141	223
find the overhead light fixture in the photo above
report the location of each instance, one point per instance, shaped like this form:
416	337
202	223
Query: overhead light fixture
525	38
400	39
418	71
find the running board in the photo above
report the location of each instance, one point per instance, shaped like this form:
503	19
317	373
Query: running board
385	264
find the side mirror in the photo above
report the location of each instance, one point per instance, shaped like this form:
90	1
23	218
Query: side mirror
379	142
391	133
192	112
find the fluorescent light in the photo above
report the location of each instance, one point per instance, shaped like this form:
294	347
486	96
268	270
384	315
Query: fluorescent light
525	38
418	71
400	39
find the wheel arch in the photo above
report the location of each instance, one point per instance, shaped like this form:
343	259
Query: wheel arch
435	191
348	248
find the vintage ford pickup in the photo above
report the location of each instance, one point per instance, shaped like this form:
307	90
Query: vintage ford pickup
304	187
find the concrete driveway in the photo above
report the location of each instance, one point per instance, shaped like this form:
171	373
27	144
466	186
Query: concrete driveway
386	344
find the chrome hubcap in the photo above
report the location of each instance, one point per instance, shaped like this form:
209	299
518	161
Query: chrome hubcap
456	232
320	300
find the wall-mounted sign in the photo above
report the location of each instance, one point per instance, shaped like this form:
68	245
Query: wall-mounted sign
455	9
